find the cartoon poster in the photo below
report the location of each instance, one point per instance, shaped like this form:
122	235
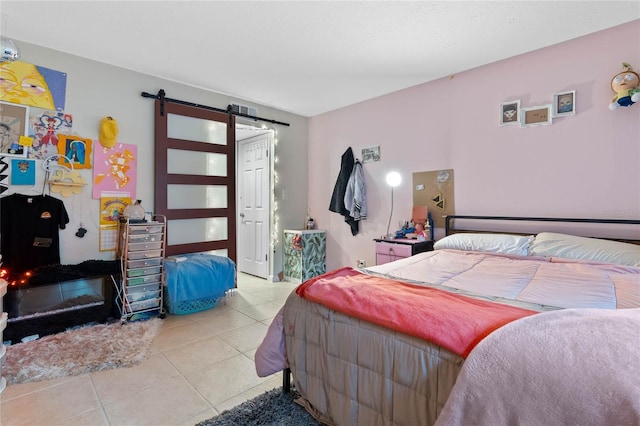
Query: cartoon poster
44	129
115	169
29	84
23	172
112	207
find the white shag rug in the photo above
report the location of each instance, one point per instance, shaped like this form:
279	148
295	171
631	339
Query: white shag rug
80	351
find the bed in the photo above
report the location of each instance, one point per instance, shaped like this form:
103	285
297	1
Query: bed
492	327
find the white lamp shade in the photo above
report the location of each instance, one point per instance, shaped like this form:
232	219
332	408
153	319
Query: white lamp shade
393	179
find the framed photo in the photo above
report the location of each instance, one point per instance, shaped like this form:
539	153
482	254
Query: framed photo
14	123
564	103
509	113
371	153
76	150
536	116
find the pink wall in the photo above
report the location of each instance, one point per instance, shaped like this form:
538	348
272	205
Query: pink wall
587	165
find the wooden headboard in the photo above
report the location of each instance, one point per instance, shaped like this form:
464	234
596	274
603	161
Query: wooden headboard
625	230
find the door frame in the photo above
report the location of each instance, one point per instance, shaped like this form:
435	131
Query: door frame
272	203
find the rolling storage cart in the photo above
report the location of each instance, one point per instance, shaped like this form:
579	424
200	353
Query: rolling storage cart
140	248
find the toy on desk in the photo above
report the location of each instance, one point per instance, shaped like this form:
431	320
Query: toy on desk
626	84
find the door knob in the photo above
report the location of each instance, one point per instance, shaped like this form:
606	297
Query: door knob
241	214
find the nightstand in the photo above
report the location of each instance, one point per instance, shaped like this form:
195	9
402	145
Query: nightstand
398	248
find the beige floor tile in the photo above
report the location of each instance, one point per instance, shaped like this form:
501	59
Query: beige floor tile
167	402
185	333
200	354
262	311
225	379
51	405
16	390
95	417
227	322
244	299
245	338
249	394
124	383
200	417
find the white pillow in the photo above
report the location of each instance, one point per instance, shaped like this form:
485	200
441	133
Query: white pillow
594	249
495	243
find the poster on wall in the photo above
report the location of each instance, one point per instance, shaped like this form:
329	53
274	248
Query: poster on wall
434	189
115	169
23	172
111	208
4	176
44	128
14	124
33	85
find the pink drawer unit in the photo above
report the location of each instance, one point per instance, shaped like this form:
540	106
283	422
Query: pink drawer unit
390	250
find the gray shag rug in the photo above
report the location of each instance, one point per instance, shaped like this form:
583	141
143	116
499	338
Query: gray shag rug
79	351
272	408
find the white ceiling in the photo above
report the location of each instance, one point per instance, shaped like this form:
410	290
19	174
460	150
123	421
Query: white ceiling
305	57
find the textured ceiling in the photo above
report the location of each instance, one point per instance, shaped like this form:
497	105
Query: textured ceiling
305	57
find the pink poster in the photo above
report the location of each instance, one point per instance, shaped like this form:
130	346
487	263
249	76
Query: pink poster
115	169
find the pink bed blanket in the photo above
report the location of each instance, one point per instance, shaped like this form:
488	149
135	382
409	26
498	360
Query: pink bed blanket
566	367
453	321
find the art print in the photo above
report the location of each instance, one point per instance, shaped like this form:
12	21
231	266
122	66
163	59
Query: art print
44	129
115	169
509	113
14	121
536	116
28	84
75	150
564	104
23	172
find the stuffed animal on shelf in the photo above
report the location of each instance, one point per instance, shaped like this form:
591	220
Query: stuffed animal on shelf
626	84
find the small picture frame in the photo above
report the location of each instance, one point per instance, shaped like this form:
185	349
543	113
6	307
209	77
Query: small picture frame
509	113
564	103
14	123
76	150
536	116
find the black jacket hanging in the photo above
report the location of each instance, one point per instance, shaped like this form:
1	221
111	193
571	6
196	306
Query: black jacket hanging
337	199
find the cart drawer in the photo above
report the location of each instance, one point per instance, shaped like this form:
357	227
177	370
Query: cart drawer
147	279
145	246
144	263
144	271
144	255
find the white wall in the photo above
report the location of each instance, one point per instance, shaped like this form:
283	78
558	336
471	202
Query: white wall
96	90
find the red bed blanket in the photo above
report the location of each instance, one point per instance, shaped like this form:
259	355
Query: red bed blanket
453	321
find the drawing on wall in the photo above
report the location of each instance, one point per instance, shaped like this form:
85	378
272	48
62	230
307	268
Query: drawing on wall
509	113
76	150
436	192
371	154
44	129
23	172
4	176
536	116
115	169
33	85
564	104
14	122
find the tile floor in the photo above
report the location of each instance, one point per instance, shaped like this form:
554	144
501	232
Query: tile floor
199	365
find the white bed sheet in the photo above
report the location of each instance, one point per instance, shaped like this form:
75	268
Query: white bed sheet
548	282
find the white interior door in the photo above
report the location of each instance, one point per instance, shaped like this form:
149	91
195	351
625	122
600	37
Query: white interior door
253	205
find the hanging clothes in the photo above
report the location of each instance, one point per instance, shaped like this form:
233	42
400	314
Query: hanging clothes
337	199
29	231
355	197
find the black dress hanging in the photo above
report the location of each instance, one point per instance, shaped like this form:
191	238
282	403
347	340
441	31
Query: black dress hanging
337	199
